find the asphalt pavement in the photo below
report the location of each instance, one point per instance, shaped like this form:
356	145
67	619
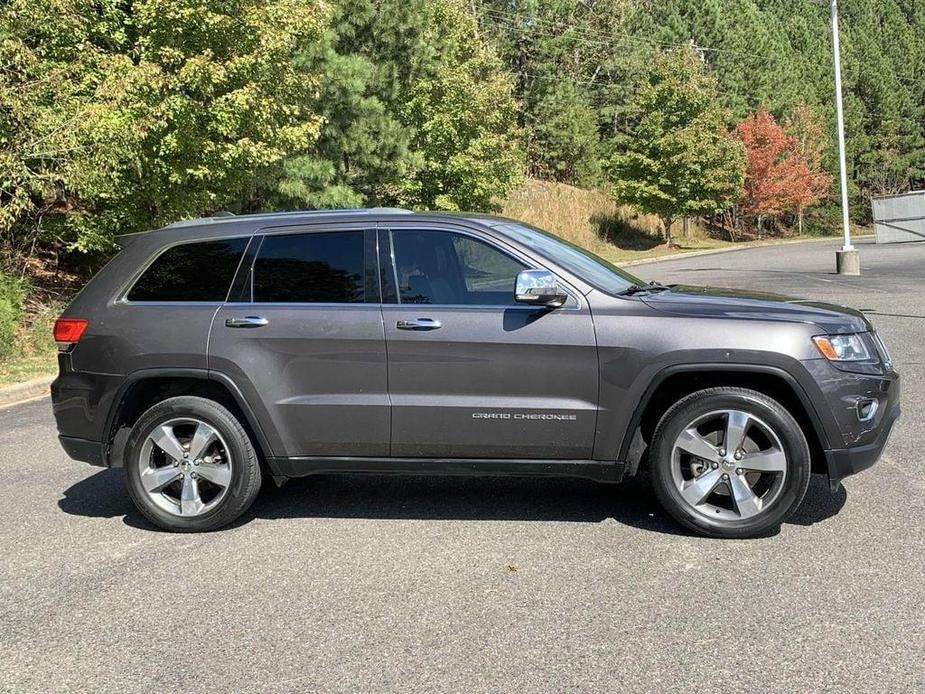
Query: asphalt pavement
376	584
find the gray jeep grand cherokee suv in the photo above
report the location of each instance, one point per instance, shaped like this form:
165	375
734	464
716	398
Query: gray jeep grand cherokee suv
215	352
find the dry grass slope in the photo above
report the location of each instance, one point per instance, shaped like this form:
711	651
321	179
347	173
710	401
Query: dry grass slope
591	218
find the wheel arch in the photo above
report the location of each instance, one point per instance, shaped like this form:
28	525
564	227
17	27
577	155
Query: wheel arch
143	388
674	382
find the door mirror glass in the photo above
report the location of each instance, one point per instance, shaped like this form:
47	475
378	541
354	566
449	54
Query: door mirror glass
538	287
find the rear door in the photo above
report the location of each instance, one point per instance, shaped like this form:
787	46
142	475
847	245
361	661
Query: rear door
473	374
302	336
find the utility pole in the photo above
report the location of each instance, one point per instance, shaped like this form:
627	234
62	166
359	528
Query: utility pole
847	261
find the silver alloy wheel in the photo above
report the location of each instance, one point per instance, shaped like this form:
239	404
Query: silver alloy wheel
185	467
728	465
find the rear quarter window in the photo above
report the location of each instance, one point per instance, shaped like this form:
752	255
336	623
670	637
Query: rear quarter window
198	271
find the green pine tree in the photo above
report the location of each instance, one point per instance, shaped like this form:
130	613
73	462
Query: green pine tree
369	58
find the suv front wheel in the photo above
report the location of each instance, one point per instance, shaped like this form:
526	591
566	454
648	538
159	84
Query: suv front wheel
729	462
190	465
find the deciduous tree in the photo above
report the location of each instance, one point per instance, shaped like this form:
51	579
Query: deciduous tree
781	173
464	119
768	166
681	160
215	98
167	108
808	135
54	120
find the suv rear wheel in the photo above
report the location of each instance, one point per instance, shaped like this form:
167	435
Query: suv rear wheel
190	465
729	462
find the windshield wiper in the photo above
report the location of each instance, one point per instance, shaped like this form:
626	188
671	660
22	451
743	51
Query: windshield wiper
648	287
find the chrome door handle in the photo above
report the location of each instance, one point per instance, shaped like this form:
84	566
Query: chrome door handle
246	322
418	324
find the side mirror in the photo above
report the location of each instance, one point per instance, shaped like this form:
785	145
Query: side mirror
538	287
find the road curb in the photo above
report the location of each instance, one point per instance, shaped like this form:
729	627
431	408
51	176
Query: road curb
27	390
730	249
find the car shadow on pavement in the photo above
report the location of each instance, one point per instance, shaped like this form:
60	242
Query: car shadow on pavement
103	495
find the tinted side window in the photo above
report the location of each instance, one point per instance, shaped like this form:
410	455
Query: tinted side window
438	267
310	268
190	272
485	270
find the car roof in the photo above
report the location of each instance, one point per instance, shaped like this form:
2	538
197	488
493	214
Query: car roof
229	223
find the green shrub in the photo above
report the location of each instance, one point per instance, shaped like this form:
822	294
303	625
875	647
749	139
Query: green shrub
12	295
822	220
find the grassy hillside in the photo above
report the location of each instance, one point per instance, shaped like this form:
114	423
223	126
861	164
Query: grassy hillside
591	219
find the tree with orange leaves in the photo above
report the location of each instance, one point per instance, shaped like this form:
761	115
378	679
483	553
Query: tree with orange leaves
808	133
782	171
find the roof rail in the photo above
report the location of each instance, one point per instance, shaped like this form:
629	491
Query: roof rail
225	216
228	216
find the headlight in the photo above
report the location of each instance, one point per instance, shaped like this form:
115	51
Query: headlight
842	347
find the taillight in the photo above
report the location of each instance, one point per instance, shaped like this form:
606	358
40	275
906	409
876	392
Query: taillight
68	331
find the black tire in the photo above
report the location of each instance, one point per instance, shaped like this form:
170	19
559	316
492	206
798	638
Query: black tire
699	404
245	468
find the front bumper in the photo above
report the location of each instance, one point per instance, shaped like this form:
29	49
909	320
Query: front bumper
849	461
852	438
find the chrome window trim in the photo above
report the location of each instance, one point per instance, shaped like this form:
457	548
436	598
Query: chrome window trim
303	304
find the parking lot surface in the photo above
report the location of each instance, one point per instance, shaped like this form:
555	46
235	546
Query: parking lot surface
342	584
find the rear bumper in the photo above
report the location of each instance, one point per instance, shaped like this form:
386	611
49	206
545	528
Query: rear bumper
82	401
849	461
83	450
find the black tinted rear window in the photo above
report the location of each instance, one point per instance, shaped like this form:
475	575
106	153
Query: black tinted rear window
199	271
310	268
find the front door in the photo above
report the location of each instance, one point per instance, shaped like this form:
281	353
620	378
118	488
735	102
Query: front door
302	337
472	374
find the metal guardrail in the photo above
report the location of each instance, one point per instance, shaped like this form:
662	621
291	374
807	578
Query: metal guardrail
899	218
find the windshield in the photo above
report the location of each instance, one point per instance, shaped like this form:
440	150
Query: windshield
580	262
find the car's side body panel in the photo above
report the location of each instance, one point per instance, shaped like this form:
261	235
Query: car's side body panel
318	372
125	338
514	382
